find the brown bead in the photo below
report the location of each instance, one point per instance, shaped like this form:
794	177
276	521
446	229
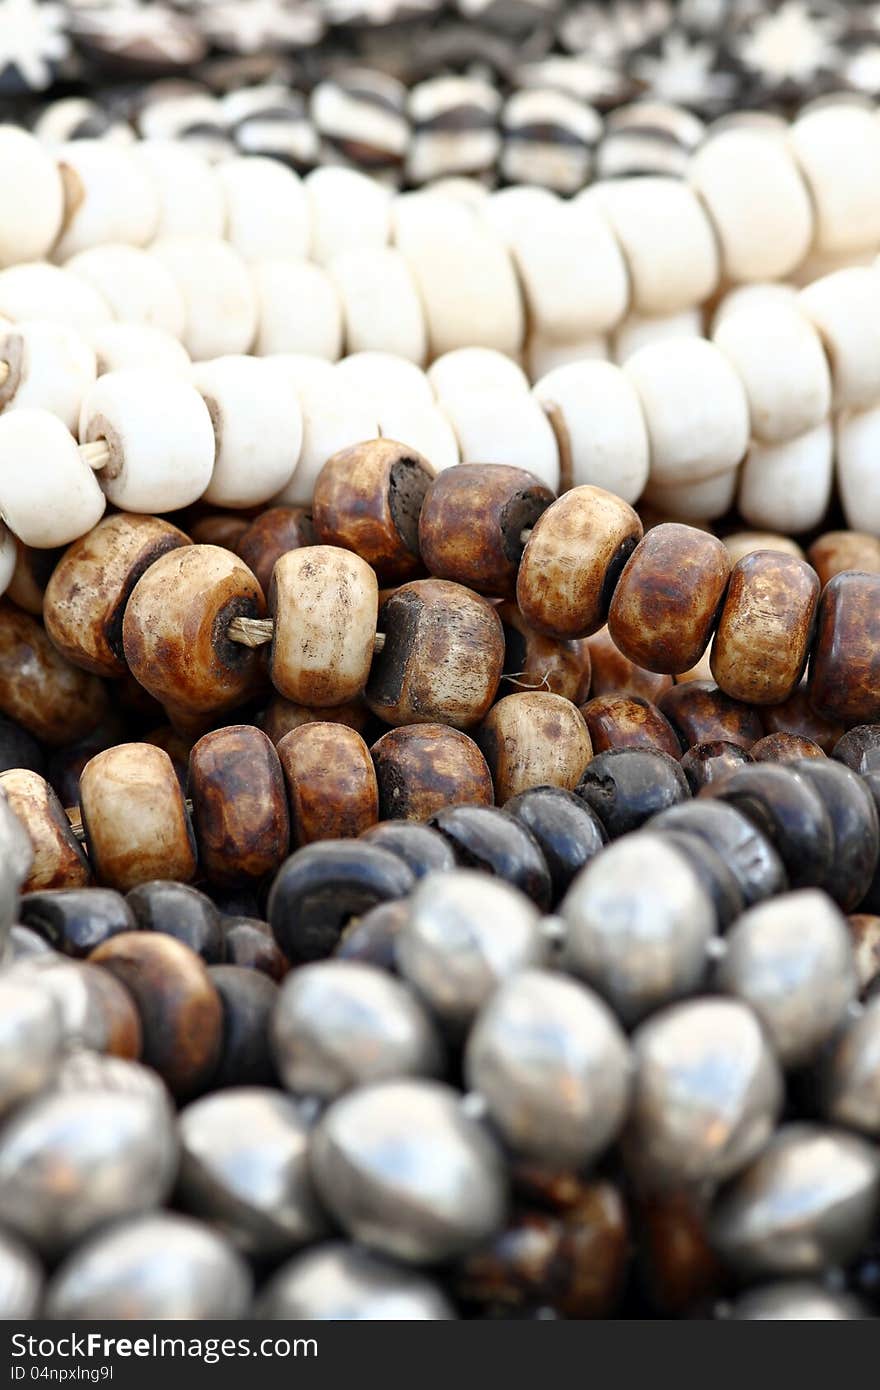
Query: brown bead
219	528
784	748
58	860
837	551
86	596
534	740
796	716
324	601
709	762
612	673
628	721
239	807
763	636
425	767
331	783
667	598
701	713
33	570
131	698
844	678
573	560
271	535
136	824
472	523
535	662
179	1008
174	629
280	716
367	499
865	931
250	944
122	1022
39	688
442	657
679	1266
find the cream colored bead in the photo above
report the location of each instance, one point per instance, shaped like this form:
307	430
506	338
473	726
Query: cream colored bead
332	420
817	266
387	378
160	438
33	203
858	441
838	149
786	487
701	501
750	297
844	308
380	302
757	201
110	197
348	211
48	493
298	309
600	429
445	244
267	209
191	199
8	557
48	367
667	240
695	409
638	330
257	428
135	284
422	427
221	304
504	426
741	543
475	369
325	603
42	291
544	357
119	345
780	361
458	186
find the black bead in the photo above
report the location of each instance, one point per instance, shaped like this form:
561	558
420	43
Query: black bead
568	832
789	811
177	910
626	786
421	848
859	748
248	998
706	762
485	838
76	920
18	748
372	938
745	849
715	875
855	827
250	944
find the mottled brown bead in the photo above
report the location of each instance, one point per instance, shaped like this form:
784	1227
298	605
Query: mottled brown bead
472	523
628	721
367	498
239	807
442	658
534	740
58	860
784	748
174	629
55	701
331	783
425	767
250	943
796	716
837	551
708	762
665	605
844	678
33	570
219	528
865	931
122	1022
280	716
136	823
179	1008
324	601
612	673
86	596
679	1267
533	661
573	560
763	636
701	713
271	535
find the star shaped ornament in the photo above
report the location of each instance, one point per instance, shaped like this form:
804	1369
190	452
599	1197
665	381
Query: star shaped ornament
33	45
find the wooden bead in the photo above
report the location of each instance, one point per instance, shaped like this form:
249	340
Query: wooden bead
844	679
572	562
423	768
836	551
535	662
666	600
534	740
331	783
368	499
271	534
257	430
784	748
797	716
89	588
324	601
58	860
280	716
239	807
708	762
174	629
628	721
763	637
39	459
612	673
135	821
39	689
442	658
701	713
175	909
250	944
218	528
471	524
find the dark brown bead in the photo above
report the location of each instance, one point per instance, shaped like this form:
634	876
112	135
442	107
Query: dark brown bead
472	523
612	673
837	551
18	748
280	716
76	920
865	930
766	625
239	806
247	999
371	938
667	599
219	528
122	1022
250	944
707	762
271	534
331	783
701	713
679	1267
535	662
58	860
628	721
179	1008
178	910
534	740
425	767
784	748
844	679
797	716
55	701
367	498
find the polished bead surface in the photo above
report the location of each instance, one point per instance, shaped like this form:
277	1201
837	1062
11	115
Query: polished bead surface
179	911
239	808
21	1280
422	768
707	762
247	998
534	739
784	748
338	1282
75	920
612	673
746	850
331	782
796	1300
701	713
533	661
628	721
713	871
860	748
854	825
420	848
368	498
626	786
851	1073
488	839
763	636
568	832
844	679
784	805
30	1039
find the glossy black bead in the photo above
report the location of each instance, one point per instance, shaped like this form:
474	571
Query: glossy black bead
421	848
175	909
372	938
789	811
716	876
855	826
76	920
744	848
706	762
18	748
626	786
239	899
248	998
483	837
250	944
568	832
859	748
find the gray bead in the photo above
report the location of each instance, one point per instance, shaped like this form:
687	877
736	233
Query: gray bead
151	1268
343	1283
67	983
244	1167
792	959
851	1074
796	1300
466	933
403	1169
91	1071
638	925
30	1039
21	1280
807	1202
339	1023
553	1067
16	850
707	1092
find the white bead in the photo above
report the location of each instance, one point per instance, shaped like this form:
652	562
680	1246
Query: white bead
741	543
464	273
596	414
267	209
748	296
458	186
544	357
298	309
221	304
695	409
504	426
380	302
257	428
838	149
121	345
423	427
349	211
475	369
8	557
780	361
51	368
32	206
386	378
160	437
48	494
333	419
817	266
786	487
702	501
42	291
667	241
845	310
135	284
858	442
757	200
637	330
110	197
191	199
